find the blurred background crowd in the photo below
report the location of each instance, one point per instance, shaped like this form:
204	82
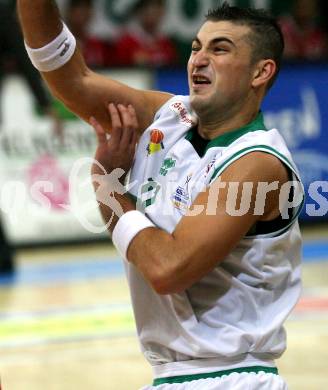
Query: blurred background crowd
138	32
142	36
142	32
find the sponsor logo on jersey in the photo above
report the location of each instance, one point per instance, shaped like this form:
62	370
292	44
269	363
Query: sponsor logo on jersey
168	164
180	109
209	166
156	142
181	197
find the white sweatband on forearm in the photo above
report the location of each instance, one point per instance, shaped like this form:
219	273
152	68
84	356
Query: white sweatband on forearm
127	227
55	54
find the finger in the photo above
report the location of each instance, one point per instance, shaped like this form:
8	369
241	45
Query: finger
134	139
127	128
100	133
133	116
133	143
116	133
135	124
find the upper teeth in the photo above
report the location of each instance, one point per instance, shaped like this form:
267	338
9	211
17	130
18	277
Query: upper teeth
200	78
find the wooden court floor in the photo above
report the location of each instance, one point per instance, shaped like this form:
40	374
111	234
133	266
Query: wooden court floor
66	323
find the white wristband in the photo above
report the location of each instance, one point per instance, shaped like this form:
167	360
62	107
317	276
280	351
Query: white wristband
127	227
55	54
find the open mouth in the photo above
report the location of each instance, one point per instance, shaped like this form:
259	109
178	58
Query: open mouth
200	80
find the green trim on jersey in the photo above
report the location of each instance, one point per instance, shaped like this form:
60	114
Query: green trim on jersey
242	152
231	136
217	374
190	134
284	159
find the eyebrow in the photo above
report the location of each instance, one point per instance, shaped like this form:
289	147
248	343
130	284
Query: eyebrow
215	40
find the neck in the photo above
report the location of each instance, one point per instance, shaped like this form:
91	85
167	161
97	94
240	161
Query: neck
210	129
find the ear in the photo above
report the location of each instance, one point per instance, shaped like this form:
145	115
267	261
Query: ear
263	72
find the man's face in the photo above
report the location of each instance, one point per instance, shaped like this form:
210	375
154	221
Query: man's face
219	69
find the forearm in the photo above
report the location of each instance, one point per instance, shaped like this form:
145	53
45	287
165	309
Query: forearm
172	262
40	21
153	251
167	262
157	256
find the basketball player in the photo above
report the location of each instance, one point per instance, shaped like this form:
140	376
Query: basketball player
211	284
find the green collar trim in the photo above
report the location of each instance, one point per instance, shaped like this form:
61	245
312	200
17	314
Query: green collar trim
217	374
190	133
228	138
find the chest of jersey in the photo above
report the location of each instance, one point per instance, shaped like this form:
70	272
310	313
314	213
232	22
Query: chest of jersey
168	176
168	172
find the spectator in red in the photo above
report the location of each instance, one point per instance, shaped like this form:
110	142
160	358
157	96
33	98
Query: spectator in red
142	42
304	39
97	53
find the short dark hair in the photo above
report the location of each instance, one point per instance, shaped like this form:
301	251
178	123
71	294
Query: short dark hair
266	38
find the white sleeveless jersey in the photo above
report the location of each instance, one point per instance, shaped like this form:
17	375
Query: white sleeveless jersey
233	316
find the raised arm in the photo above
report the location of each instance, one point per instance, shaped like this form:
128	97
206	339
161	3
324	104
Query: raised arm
81	90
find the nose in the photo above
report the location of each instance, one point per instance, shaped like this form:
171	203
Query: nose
200	59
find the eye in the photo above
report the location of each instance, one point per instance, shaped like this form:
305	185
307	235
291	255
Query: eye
195	48
218	49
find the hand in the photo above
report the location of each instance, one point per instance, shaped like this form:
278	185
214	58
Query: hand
118	150
113	159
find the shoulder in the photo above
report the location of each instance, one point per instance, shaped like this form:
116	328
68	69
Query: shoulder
257	166
261	176
177	104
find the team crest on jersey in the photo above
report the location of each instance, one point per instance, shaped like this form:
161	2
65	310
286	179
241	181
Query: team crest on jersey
181	110
156	142
168	164
181	198
149	191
